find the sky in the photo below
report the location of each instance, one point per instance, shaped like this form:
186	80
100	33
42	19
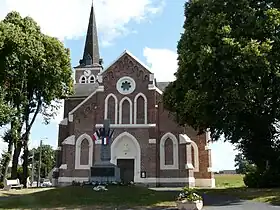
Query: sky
149	29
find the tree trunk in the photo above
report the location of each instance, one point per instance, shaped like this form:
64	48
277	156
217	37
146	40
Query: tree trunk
25	164
16	155
8	158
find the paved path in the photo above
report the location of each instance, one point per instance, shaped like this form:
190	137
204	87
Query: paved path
224	202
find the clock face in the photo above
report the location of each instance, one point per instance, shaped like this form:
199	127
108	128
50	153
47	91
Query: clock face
87	72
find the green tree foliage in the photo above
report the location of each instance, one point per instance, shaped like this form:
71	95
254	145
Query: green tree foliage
228	76
36	70
6	156
48	159
243	166
6	112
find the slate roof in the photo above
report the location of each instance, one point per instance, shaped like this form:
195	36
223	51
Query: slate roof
91	51
162	85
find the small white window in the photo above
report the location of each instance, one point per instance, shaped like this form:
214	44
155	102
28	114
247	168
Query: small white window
91	79
83	79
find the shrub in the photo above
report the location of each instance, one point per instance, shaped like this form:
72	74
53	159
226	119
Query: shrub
1	185
189	195
267	179
252	179
20	174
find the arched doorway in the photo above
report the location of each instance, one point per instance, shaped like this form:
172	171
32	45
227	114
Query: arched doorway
126	153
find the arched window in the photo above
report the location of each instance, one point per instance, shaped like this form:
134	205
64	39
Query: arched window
140	109
83	152
167	142
125	111
91	79
111	108
83	79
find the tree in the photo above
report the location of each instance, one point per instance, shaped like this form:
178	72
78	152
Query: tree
37	71
6	156
228	75
47	159
242	165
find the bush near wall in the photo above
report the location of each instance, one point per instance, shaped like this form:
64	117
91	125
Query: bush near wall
267	179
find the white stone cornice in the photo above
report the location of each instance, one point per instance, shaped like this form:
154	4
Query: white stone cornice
70	140
64	121
63	166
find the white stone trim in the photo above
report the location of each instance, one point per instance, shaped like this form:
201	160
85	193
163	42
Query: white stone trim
196	156
91	68
210	169
152	141
205	183
137	157
78	152
130	109
83	77
145	108
70	115
153	87
131	55
63	166
99	78
175	152
207	147
185	139
138	180
106	107
208	135
126	79
70	140
189	166
128	125
71	179
165	180
64	121
152	77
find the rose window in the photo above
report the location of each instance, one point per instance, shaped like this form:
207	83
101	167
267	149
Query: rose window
126	85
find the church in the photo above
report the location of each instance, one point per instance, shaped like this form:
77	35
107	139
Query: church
148	146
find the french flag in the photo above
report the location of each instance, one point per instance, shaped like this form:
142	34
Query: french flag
96	136
105	140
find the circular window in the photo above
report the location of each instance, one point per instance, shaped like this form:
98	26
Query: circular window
126	85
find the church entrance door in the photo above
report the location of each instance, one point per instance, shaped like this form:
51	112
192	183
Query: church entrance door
126	169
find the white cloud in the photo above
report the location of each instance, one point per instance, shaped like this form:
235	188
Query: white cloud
69	18
163	63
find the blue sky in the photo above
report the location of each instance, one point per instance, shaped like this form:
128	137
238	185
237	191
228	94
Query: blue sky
150	29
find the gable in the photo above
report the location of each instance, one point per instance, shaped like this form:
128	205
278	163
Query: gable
127	59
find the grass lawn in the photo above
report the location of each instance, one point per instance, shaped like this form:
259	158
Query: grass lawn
121	197
229	180
233	185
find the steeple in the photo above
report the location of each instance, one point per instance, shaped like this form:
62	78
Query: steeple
91	51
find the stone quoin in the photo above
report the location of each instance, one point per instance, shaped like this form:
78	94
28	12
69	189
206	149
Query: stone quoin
148	146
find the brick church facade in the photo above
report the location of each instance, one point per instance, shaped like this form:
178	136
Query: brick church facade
147	145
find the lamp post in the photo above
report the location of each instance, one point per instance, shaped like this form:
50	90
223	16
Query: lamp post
32	170
157	106
40	162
